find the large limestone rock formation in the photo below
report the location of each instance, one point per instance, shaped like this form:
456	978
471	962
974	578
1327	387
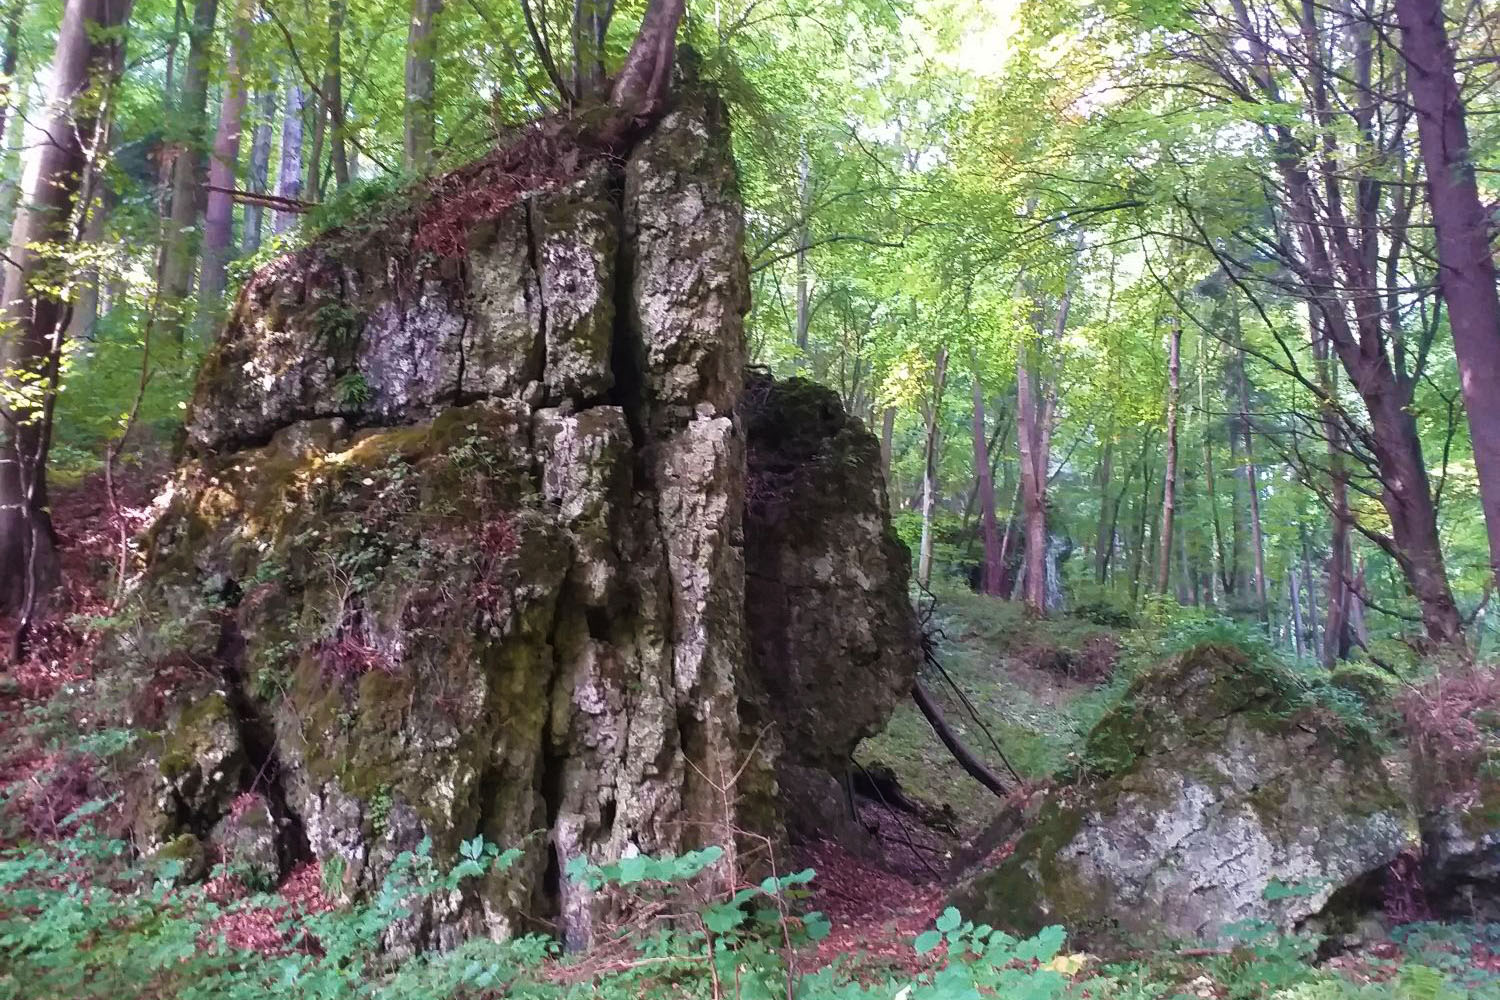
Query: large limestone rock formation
1219	793
460	546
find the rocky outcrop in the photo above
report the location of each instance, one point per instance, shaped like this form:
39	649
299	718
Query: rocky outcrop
1218	792
460	551
831	627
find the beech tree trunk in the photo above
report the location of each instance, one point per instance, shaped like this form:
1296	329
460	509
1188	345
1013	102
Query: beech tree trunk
1252	484
260	168
181	253
989	528
1169	482
590	26
804	207
930	466
218	215
8	59
289	173
1104	534
421	85
1466	271
887	440
59	176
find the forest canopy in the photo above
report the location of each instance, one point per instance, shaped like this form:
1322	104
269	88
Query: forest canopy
1148	301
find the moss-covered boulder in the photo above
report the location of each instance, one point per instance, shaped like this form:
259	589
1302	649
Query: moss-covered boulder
1218	791
460	544
833	638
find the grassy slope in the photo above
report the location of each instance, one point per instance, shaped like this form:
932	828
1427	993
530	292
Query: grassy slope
1013	670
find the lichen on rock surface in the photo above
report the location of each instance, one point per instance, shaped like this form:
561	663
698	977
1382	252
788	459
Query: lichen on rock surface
500	589
1218	795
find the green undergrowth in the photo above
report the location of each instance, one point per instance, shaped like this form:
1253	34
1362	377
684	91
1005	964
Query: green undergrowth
80	918
1037	685
1040	686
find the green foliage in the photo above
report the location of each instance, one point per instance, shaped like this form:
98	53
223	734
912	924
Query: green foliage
351	389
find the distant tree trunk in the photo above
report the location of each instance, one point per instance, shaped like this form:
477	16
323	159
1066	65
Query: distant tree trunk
289	174
181	254
1295	607
1036	402
1169	480
1138	551
804	208
1337	640
218	215
421	84
1311	604
590	27
260	168
1466	271
333	87
59	177
1104	535
1218	582
9	55
1359	635
313	185
930	466
1252	483
989	529
887	440
84	309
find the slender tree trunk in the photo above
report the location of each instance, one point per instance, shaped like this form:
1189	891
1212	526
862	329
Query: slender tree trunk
1252	483
84	308
421	84
1218	582
1466	272
9	56
1314	645
804	207
1104	535
181	254
218	215
930	466
88	59
989	529
260	168
590	26
887	441
1138	551
1294	587
333	87
1169	480
289	174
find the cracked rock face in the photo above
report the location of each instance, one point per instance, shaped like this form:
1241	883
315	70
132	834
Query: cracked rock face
462	546
1220	803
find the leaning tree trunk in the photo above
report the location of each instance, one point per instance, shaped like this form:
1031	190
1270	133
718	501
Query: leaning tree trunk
1466	271
218	216
58	175
421	85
